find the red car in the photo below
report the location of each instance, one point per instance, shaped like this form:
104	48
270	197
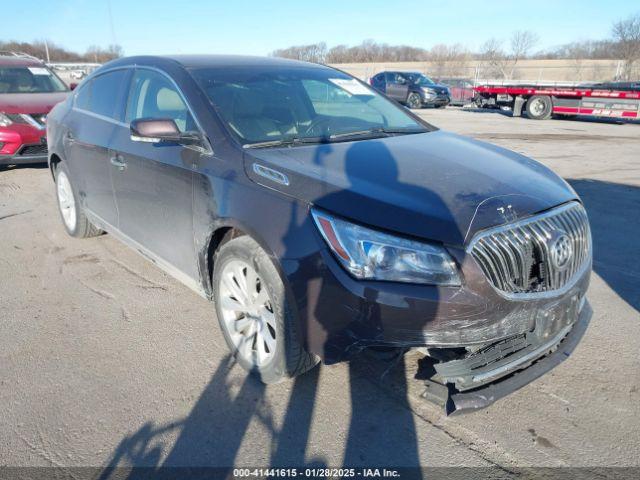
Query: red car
461	90
28	91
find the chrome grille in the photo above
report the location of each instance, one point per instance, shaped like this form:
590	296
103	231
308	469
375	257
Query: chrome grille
538	254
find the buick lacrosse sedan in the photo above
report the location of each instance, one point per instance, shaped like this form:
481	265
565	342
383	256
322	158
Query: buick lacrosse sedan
322	218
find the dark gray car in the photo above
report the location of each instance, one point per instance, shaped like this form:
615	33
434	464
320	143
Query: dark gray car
321	218
413	89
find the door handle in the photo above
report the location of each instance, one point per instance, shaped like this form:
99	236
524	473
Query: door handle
118	162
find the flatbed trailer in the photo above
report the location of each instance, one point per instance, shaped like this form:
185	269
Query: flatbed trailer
540	101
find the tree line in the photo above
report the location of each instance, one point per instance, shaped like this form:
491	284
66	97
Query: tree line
497	55
56	53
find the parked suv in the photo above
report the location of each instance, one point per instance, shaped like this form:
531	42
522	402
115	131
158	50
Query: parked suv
28	91
411	88
320	218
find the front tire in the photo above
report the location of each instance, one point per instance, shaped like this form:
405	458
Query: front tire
539	107
73	217
414	101
254	313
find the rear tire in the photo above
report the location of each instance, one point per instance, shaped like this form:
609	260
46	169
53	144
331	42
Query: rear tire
539	107
255	314
72	215
414	101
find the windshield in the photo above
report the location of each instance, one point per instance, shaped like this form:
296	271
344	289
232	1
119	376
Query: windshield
275	104
29	80
423	80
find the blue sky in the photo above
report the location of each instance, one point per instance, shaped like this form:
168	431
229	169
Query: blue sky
258	27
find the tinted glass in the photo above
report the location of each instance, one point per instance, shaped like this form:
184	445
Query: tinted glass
400	79
269	104
379	79
422	80
83	94
29	80
152	95
105	93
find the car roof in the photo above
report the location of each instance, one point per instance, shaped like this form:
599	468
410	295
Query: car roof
7	61
213	61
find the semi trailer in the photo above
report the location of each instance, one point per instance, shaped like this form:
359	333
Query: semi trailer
542	101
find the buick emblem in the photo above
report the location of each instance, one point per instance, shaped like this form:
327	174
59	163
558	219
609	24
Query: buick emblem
561	250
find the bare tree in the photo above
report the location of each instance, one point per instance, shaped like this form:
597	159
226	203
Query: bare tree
367	51
315	52
626	33
494	58
522	41
57	53
448	59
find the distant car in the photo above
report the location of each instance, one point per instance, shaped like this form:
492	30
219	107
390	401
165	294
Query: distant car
461	90
411	88
28	91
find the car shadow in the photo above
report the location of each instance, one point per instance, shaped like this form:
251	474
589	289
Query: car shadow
613	210
381	430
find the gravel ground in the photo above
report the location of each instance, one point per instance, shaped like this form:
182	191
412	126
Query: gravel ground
105	360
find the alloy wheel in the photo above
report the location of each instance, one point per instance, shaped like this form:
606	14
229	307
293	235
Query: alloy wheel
66	201
247	312
414	101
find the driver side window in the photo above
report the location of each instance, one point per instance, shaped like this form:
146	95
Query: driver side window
152	95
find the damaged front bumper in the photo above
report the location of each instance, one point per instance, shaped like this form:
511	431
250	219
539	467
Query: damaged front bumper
340	316
488	363
480	387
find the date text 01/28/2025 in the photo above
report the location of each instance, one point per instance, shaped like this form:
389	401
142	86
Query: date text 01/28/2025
315	473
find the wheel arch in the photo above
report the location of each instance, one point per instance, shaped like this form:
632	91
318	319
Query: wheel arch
221	233
54	161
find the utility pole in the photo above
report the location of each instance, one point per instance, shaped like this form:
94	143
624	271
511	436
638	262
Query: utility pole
113	30
46	49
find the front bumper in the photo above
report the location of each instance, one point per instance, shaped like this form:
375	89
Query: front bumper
339	315
22	159
436	100
22	144
520	374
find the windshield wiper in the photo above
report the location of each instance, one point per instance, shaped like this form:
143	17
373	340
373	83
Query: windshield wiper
336	137
286	142
376	132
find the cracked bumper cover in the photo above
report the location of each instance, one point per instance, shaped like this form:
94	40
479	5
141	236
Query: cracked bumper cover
525	373
339	315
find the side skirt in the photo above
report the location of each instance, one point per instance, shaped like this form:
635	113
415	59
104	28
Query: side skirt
153	258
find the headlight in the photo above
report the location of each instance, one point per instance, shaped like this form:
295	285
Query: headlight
429	91
5	121
372	255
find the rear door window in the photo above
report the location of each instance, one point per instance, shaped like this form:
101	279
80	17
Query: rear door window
83	94
105	94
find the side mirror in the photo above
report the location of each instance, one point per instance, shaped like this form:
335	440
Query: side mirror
73	85
154	130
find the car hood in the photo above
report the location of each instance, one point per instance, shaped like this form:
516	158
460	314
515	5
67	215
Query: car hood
438	185
30	102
